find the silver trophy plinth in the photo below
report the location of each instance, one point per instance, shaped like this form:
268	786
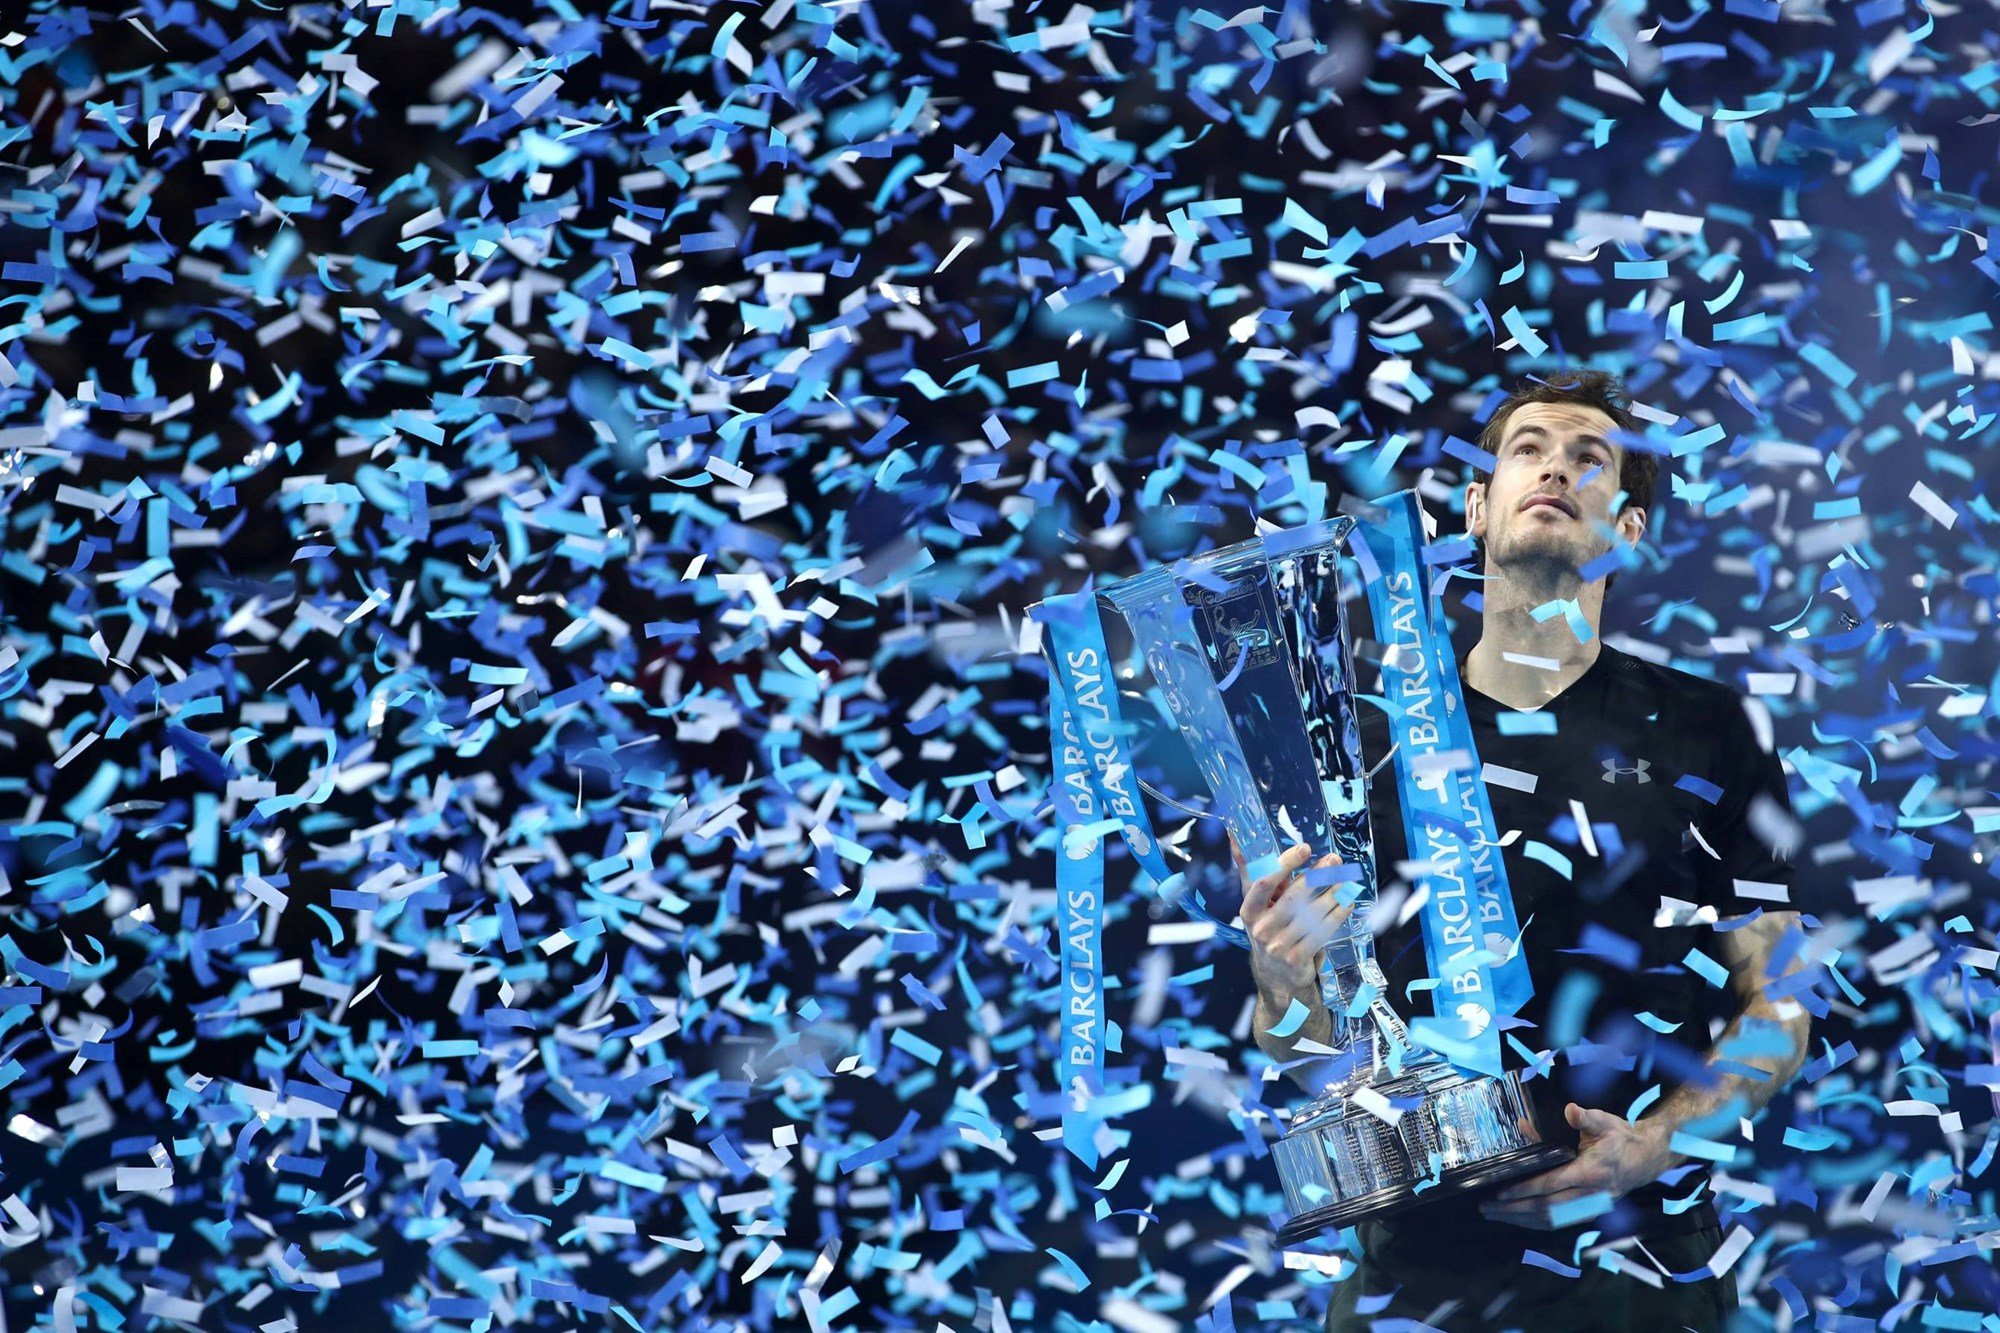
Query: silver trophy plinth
1249	647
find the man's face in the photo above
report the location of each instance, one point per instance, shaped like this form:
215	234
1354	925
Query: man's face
1549	499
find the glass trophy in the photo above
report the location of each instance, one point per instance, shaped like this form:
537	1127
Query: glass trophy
1249	648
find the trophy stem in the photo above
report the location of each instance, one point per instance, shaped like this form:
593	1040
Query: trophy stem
1366	1028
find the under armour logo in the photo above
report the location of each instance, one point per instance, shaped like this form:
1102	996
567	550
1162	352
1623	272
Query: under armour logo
1615	771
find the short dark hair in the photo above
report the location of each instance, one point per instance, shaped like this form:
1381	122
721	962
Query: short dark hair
1638	469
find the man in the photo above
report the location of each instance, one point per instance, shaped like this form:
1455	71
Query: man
1646	836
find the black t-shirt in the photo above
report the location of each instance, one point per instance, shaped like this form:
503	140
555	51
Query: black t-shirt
1648	753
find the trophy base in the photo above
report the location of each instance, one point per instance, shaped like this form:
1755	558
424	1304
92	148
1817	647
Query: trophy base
1451	1134
1454	1182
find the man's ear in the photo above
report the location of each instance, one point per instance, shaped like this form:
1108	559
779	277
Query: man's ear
1475	509
1631	524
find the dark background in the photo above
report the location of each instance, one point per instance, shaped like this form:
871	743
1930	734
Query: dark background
126	890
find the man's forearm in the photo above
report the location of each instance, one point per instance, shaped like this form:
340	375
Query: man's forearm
1742	1070
1274	1001
1739	1082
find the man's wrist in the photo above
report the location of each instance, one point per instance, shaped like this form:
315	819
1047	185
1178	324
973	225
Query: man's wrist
1275	1005
1316	1027
1660	1130
1276	982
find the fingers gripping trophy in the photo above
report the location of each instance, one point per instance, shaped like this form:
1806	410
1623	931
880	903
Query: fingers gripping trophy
1249	648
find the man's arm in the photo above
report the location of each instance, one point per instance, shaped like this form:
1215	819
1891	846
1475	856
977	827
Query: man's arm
1274	1000
1765	1043
1288	923
1617	1155
1742	1071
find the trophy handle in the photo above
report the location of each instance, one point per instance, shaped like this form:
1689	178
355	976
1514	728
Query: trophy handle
1185	809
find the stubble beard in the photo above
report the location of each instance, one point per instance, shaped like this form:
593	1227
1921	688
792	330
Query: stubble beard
1539	571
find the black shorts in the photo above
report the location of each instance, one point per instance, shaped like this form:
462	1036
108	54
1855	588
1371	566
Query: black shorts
1461	1293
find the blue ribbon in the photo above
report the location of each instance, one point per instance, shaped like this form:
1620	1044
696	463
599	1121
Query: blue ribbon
1447	815
1080	927
1512	985
1095	790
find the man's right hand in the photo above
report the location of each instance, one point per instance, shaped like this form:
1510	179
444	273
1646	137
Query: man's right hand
1288	921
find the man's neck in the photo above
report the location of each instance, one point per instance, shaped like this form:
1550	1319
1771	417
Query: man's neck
1510	662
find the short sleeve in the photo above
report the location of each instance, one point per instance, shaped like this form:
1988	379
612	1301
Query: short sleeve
1750	827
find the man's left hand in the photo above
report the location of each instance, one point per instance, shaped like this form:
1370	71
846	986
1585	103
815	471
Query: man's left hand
1615	1157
